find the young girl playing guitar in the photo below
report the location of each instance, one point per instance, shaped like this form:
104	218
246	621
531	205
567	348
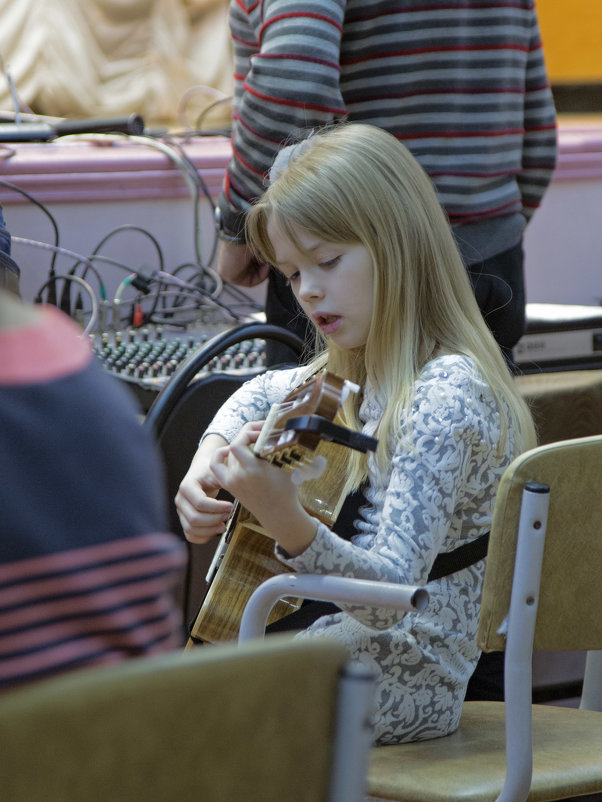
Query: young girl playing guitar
353	223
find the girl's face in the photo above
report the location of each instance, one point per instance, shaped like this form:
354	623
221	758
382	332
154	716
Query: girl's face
333	282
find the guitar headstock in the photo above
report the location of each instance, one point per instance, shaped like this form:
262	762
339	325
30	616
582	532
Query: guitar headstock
294	428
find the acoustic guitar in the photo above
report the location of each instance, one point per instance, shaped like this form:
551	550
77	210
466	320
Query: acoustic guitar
300	435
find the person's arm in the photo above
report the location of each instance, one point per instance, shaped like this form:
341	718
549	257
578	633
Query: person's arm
236	264
540	136
201	514
287	81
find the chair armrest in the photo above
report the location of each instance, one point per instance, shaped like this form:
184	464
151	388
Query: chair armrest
325	588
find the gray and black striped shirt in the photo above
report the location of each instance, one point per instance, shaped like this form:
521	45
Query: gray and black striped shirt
461	82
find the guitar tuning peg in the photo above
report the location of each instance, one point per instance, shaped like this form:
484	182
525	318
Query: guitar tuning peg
348	388
314	470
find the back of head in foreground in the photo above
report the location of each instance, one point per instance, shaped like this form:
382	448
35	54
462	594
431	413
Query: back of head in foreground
87	568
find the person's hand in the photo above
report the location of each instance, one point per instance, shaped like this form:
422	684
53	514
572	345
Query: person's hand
265	490
202	515
236	264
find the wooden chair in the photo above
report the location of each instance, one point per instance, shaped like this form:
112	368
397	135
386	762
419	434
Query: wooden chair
542	590
565	404
266	722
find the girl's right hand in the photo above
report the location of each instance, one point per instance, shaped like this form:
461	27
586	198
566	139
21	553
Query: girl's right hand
202	515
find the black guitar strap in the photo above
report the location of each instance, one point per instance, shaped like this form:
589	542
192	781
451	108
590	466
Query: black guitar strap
445	564
452	561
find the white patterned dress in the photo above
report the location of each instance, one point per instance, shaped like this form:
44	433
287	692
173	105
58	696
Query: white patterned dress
438	494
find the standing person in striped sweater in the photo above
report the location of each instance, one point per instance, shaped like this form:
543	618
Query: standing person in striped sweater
462	84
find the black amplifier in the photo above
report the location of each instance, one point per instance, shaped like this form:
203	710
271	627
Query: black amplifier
560	337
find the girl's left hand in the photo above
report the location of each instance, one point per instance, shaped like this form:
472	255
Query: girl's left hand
265	490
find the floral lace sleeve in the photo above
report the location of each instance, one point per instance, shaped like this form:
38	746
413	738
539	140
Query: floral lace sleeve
253	401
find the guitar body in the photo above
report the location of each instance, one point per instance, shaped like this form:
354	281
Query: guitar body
246	554
248	561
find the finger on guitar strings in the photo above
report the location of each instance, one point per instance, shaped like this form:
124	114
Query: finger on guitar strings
201	523
196	498
241	448
254	482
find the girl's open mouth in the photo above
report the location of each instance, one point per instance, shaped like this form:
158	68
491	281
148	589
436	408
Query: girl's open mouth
328	323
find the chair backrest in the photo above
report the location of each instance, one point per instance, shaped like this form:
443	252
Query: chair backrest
542	581
255	723
570	596
180	414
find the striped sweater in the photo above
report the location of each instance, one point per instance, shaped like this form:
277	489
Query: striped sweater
86	568
462	83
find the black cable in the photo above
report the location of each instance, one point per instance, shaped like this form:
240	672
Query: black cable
131	227
96	257
65	301
95	307
202	275
189	170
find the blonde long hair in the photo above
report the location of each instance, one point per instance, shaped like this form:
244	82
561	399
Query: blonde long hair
357	184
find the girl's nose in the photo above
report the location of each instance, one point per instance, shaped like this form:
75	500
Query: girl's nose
310	287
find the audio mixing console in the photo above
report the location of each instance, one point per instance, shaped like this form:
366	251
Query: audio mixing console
145	358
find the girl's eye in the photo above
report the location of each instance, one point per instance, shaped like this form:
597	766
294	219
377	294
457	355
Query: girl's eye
330	262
